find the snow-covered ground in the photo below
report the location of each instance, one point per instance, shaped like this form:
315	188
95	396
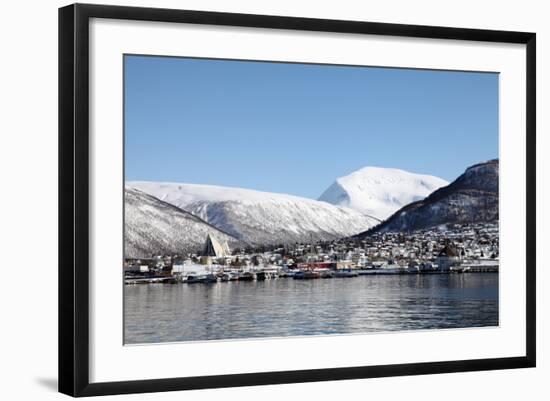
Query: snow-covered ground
260	217
379	192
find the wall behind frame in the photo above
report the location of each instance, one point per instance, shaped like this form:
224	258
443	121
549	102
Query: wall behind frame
28	205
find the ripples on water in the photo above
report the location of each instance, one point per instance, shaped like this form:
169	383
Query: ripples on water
287	307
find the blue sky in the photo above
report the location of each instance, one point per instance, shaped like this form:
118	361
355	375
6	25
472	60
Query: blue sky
295	128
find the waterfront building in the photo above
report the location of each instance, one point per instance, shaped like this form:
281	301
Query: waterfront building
448	258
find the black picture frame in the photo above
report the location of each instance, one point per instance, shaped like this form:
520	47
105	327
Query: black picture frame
74	200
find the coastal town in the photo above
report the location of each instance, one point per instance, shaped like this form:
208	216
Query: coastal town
457	248
291	211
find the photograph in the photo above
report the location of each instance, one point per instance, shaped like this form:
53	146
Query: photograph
268	199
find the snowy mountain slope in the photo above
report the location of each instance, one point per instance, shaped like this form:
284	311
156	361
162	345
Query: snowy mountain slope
379	192
153	226
260	217
471	198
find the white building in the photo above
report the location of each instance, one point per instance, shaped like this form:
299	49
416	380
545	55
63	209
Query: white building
212	247
448	258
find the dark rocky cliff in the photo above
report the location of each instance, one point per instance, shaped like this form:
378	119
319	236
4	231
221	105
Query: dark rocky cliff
471	198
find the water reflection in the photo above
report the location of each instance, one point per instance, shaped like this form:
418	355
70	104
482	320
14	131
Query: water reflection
286	307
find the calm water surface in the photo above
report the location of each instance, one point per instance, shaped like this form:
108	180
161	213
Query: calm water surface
287	307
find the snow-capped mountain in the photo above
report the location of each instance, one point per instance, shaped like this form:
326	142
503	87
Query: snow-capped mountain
471	198
379	192
153	226
260	217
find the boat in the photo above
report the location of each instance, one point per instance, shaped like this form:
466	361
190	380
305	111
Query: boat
224	277
247	276
345	274
306	275
192	279
205	278
327	274
210	278
147	280
364	272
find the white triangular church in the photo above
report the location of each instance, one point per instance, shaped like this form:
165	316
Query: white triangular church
212	247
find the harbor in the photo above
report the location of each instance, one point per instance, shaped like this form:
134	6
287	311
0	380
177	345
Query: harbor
193	274
460	249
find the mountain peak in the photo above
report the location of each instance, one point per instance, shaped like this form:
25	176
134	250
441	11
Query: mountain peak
380	191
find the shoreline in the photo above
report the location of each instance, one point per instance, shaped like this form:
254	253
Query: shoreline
371	272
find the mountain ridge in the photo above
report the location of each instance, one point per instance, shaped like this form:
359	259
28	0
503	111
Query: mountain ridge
472	197
156	227
258	217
